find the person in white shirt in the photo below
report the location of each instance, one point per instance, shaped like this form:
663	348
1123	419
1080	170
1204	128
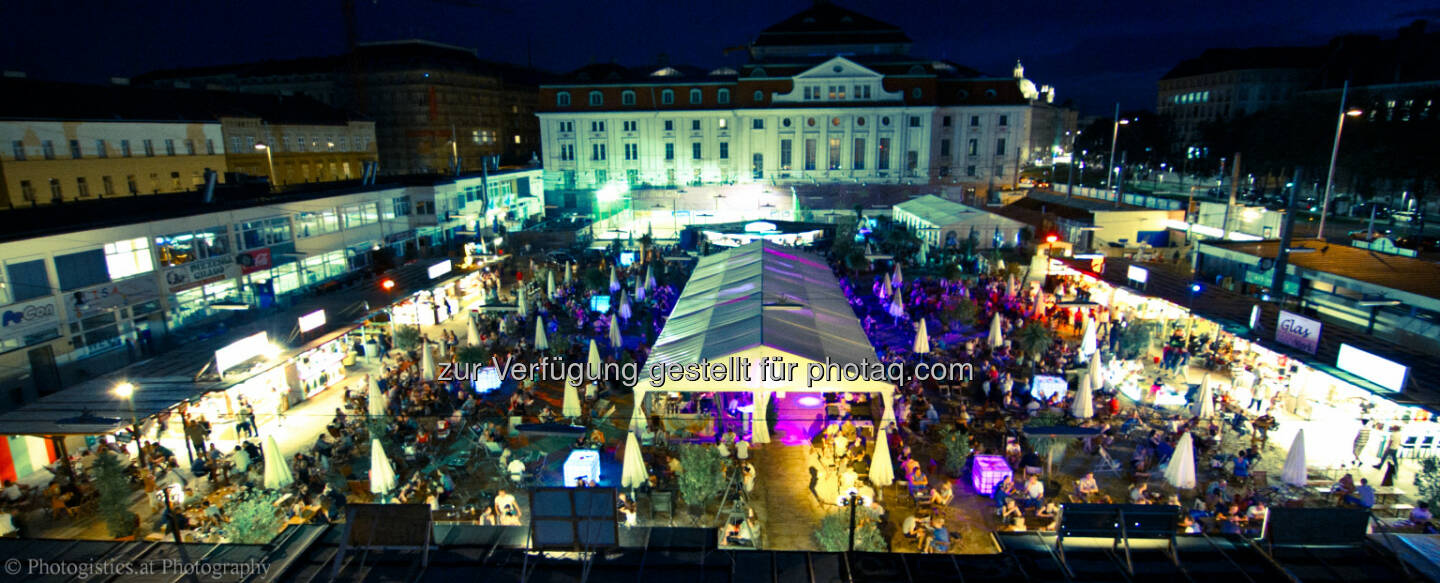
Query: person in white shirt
12	491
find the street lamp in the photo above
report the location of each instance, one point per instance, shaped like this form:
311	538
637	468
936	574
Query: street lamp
1195	289
269	161
126	390
1114	135
1335	152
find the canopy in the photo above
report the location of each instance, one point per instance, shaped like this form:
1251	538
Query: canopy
882	470
922	339
632	473
570	409
472	333
1084	405
277	472
997	337
382	474
1294	471
541	342
1180	472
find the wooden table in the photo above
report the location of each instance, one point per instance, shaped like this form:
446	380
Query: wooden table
1391	493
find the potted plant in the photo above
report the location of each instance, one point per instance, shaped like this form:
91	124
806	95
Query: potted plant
833	536
957	450
254	519
701	477
115	492
407	337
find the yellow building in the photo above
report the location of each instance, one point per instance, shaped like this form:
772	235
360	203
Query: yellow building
301	152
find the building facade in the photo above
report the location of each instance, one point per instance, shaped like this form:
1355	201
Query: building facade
1223	84
298	152
823	112
430	102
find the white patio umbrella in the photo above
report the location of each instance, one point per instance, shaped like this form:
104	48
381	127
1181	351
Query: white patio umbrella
923	259
1294	471
550	283
1000	265
1090	373
1097	372
882	470
1087	339
1084	405
759	423
594	360
522	304
886	285
624	308
922	339
1180	472
632	473
382	474
1204	405
1010	286
637	413
569	269
472	333
649	277
375	401
571	406
614	281
997	337
427	363
897	305
277	472
898	278
541	342
640	294
616	341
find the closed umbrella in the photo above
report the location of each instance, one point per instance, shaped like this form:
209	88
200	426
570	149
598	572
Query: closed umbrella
898	278
897	306
614	281
1084	405
997	337
550	283
759	423
571	406
1181	470
1204	405
1010	286
569	269
1097	372
882	469
616	341
1294	471
922	339
886	285
649	277
594	360
633	474
472	333
427	362
624	308
1087	339
522	307
382	474
637	414
541	342
375	401
640	294
923	259
277	472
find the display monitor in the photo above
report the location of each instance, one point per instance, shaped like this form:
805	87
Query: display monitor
627	258
600	304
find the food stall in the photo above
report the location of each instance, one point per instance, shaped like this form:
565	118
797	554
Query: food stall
322	367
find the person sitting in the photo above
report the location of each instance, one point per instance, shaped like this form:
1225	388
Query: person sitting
1050	511
507	508
1189	526
1343	487
1034	492
1228	520
1421	513
943	495
939	537
1010	510
626	506
1002	491
916	526
740	533
488	517
1138	493
211	513
1363	497
1086	487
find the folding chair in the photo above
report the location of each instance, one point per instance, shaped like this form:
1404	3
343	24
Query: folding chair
1106	464
662	502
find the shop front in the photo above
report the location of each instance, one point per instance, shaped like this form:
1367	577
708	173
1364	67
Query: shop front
323	366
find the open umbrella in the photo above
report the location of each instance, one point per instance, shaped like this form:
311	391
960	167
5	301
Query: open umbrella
570	408
897	306
624	309
277	472
594	360
1084	405
382	474
922	339
1294	471
472	333
616	341
522	304
550	283
541	342
1181	470
632	473
614	281
427	363
1087	339
997	337
882	470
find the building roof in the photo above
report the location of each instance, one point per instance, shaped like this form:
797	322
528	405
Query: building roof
1217	60
1406	274
824	23
614	74
1075	208
762	294
944	213
48	100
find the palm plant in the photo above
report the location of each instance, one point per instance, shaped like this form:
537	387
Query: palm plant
407	337
1033	339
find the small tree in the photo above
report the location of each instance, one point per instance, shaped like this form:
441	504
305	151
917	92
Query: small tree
469	354
701	476
1427	482
1136	339
115	492
957	450
254	519
1033	339
407	337
962	312
833	536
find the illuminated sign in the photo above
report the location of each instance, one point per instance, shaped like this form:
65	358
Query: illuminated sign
312	321
1297	331
440	269
240	351
1254	316
1137	274
760	227
1381	371
1044	387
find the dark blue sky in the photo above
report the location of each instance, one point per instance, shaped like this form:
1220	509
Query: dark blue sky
1093	52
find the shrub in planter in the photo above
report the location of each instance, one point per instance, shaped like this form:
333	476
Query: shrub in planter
833	536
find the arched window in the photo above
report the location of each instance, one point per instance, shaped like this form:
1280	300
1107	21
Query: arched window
722	96
990	93
597	98
695	97
562	99
915	93
667	97
627	98
759	97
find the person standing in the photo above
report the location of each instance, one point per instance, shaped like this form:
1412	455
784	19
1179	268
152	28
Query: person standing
1392	448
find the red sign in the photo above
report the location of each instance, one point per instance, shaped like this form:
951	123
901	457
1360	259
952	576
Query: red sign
254	260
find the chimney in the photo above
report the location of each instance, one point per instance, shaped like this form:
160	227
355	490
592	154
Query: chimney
209	186
119	80
14	74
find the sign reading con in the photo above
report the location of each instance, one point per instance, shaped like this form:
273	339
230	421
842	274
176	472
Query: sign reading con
1298	332
25	318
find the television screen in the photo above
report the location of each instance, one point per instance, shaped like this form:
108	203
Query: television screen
627	258
600	304
487	379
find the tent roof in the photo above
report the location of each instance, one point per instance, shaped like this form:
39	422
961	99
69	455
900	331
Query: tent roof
944	213
762	294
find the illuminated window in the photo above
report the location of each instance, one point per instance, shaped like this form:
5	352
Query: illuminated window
724	123
562	99
128	257
759	96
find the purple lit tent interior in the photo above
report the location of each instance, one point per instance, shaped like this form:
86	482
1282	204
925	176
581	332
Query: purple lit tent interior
756	301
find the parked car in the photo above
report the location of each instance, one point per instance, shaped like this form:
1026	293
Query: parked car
1421	243
1408	217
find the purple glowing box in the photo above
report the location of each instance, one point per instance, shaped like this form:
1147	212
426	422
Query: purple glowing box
987	471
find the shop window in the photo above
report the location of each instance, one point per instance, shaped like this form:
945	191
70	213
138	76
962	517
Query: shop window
186	246
83	269
262	233
128	257
27	280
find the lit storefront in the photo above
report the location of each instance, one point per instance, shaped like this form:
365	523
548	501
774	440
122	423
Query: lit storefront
428	307
322	367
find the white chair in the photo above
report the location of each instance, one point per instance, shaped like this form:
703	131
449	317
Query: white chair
1106	464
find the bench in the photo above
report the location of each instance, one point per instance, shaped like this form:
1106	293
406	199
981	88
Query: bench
1398	510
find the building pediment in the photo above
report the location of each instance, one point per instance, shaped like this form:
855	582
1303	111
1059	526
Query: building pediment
839	68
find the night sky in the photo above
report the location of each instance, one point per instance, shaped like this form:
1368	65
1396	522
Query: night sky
1094	53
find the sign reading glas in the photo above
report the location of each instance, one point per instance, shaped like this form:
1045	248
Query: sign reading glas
1298	332
1137	274
1381	371
440	269
240	351
312	321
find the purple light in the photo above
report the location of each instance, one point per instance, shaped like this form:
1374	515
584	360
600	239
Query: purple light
987	471
811	401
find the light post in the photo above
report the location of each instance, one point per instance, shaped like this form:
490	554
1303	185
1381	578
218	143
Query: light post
126	390
1334	153
1195	289
1114	135
852	499
269	161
